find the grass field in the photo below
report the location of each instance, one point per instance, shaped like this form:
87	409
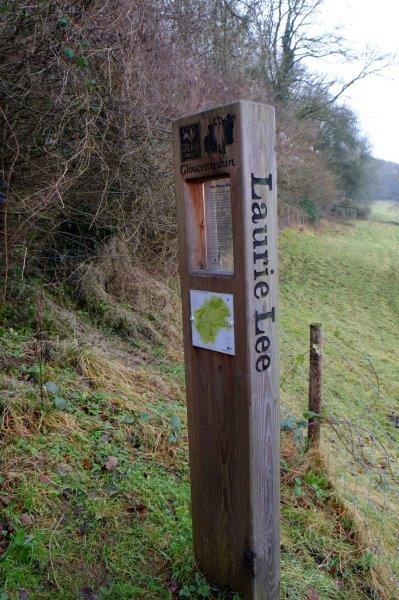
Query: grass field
94	485
347	278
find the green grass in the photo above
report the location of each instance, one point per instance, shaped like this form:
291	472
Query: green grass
385	211
347	278
126	533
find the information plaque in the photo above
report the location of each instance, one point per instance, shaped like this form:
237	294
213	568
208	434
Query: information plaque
209	223
212	321
217	198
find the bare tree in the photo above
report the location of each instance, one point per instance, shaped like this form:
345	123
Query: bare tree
285	34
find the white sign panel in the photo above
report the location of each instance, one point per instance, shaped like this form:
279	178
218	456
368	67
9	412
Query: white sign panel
212	321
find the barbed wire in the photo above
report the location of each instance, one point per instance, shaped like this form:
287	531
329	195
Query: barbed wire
365	464
363	441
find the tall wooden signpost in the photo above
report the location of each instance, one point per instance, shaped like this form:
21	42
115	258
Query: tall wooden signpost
227	219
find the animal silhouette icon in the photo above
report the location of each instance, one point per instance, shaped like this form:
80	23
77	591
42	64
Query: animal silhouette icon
189	135
220	135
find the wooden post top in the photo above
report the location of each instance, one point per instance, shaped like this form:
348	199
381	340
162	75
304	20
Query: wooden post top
210	140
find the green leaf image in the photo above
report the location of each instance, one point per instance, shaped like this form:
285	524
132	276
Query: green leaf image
210	318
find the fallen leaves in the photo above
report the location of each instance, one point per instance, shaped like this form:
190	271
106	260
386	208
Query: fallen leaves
26	520
111	463
45	479
6	530
6	500
173	587
312	594
87	593
135	506
140	509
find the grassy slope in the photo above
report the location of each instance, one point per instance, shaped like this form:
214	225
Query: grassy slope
126	533
348	278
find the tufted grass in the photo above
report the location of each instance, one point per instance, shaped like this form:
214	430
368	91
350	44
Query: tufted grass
126	533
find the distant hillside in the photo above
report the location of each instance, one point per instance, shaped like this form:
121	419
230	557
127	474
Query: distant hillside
386	181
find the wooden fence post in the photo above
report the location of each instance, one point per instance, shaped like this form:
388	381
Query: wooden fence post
315	378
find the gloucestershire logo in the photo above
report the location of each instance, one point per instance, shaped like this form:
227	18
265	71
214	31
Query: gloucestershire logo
220	135
190	141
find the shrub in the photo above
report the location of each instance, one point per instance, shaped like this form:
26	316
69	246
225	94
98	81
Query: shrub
363	211
310	209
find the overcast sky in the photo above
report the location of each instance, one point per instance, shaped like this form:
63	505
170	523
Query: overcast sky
375	99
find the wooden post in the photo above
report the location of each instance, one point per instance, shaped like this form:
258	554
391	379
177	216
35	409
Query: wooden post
227	223
315	379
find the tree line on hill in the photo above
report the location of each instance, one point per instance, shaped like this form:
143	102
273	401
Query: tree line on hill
385	181
89	89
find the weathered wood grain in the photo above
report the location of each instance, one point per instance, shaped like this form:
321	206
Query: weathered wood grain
232	401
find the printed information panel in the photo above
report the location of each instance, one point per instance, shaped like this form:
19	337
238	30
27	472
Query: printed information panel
212	321
218	224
